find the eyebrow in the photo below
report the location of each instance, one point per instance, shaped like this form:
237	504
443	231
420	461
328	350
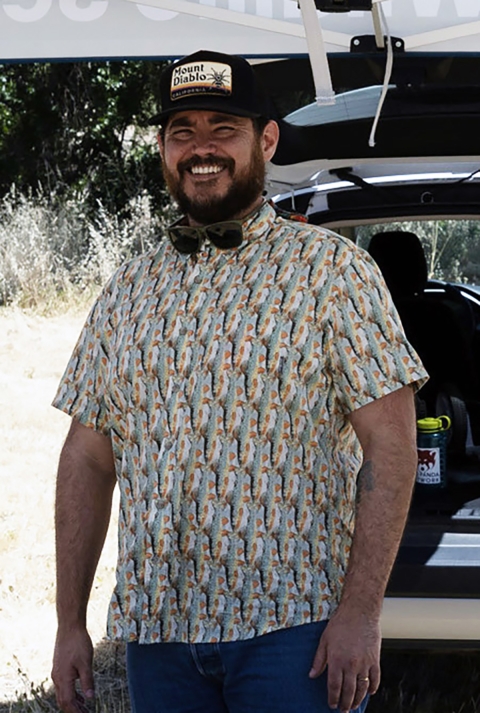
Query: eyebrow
215	119
221	118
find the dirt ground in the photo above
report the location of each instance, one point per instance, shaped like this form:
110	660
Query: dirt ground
33	353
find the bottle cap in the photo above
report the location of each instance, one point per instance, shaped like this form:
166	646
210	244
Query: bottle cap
429	425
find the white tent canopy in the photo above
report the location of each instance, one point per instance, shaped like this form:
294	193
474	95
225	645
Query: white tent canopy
73	29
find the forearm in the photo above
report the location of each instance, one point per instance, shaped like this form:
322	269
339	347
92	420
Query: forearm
350	644
383	496
83	506
384	488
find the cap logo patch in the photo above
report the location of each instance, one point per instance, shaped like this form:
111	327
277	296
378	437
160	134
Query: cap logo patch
201	78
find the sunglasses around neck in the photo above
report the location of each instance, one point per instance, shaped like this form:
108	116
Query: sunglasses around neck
189	239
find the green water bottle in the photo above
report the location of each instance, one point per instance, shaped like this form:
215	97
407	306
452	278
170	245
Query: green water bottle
432	452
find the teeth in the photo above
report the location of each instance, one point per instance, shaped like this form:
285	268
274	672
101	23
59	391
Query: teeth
206	169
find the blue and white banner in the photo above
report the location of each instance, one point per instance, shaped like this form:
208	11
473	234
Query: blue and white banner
69	29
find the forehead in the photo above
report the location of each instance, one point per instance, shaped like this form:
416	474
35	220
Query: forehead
202	116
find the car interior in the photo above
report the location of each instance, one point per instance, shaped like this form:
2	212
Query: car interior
425	165
423	168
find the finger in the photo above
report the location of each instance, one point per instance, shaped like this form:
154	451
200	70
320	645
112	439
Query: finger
320	661
348	690
64	691
335	684
375	677
79	704
87	684
363	687
69	701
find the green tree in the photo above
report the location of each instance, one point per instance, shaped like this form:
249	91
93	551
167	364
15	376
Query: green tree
69	128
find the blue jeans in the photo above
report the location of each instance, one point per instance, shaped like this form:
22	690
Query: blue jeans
266	674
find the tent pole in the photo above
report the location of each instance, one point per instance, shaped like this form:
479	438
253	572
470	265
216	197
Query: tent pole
257	22
377	26
324	93
446	33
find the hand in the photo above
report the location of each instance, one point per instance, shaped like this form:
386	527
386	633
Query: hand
72	660
350	648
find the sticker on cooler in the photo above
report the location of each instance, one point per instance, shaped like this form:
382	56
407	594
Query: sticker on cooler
428	469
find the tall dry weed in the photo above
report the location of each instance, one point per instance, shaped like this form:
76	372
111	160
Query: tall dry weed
54	250
112	239
31	262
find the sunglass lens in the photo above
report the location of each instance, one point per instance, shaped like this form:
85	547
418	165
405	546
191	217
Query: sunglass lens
232	238
184	243
226	235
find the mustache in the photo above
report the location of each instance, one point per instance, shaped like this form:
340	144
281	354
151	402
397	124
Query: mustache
208	160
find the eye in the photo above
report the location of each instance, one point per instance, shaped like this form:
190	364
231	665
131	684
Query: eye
181	134
224	130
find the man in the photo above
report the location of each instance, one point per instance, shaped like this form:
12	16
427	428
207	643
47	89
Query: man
226	381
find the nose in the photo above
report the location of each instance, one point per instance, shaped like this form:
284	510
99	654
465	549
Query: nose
204	143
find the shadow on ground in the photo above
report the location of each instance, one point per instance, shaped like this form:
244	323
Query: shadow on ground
415	682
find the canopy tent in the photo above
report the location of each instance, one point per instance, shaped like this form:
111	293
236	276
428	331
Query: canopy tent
435	44
73	29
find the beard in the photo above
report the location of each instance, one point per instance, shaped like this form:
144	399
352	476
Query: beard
245	189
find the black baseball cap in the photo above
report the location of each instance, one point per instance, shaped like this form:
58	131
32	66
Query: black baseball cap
212	81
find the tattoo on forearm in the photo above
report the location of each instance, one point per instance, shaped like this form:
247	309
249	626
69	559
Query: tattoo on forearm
365	479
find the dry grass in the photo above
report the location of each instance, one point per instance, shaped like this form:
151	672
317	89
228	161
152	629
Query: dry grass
33	353
110	681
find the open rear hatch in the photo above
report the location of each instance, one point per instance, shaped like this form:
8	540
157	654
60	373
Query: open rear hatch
425	165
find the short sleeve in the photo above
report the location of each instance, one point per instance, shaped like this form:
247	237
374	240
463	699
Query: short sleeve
369	353
81	392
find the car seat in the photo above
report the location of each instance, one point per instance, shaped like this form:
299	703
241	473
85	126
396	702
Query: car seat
439	324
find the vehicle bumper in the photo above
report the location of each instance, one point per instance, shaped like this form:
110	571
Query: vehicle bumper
426	622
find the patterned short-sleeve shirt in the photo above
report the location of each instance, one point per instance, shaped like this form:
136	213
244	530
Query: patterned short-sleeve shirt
225	381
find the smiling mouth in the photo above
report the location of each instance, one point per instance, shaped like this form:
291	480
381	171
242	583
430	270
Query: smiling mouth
205	167
206	170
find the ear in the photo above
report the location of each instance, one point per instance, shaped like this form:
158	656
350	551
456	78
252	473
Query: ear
161	146
269	140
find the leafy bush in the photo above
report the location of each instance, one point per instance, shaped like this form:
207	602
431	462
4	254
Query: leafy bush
74	127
